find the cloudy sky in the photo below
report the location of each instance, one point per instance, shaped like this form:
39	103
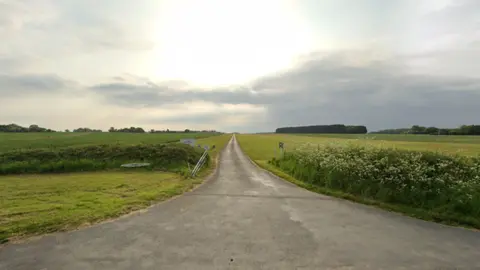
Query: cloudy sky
247	65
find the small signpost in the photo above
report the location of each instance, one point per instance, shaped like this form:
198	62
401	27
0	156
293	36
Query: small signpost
281	146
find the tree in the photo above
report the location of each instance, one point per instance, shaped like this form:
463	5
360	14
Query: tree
418	129
431	130
111	129
66	130
187	130
139	130
338	129
467	129
152	130
33	128
443	131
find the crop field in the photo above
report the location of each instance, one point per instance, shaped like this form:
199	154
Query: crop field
14	141
402	137
265	146
59	188
431	180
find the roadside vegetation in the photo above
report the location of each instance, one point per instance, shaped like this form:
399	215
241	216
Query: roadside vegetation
37	204
433	185
58	188
166	157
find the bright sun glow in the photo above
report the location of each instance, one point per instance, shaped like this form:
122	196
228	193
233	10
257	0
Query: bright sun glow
225	42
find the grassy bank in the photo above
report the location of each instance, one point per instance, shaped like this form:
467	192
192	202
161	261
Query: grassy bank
32	204
448	187
166	157
424	184
37	204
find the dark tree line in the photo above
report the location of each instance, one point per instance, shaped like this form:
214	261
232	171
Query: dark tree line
87	130
36	128
181	131
462	130
17	128
337	129
128	130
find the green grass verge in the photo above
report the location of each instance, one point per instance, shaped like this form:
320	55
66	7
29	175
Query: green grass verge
220	142
261	148
38	204
409	211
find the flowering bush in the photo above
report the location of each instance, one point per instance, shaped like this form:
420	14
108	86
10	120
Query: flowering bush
444	184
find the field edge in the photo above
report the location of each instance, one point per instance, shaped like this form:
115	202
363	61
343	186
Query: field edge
193	183
400	209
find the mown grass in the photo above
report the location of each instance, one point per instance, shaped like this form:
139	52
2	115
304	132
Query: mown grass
36	204
426	185
15	141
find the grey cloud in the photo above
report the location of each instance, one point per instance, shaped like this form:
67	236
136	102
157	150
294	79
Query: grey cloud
458	16
379	98
218	120
203	118
94	26
380	94
9	63
26	84
77	26
151	95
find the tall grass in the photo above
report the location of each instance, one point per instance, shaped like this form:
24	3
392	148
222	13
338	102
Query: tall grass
446	186
167	157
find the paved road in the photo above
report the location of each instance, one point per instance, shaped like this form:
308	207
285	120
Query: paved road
244	218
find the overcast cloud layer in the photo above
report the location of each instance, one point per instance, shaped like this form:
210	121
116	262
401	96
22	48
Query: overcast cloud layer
239	66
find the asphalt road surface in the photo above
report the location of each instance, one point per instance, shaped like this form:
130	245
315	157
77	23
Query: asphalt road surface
244	218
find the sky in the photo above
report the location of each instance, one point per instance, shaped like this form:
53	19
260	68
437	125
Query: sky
243	66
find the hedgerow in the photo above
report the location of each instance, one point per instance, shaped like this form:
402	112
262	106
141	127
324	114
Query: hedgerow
448	186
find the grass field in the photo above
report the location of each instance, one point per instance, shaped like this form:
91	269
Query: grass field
265	146
37	204
421	179
13	141
402	137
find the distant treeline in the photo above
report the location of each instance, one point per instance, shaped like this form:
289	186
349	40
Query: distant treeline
141	130
128	130
337	129
462	130
17	128
85	130
36	128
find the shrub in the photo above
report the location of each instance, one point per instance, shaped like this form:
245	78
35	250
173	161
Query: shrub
169	157
449	185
